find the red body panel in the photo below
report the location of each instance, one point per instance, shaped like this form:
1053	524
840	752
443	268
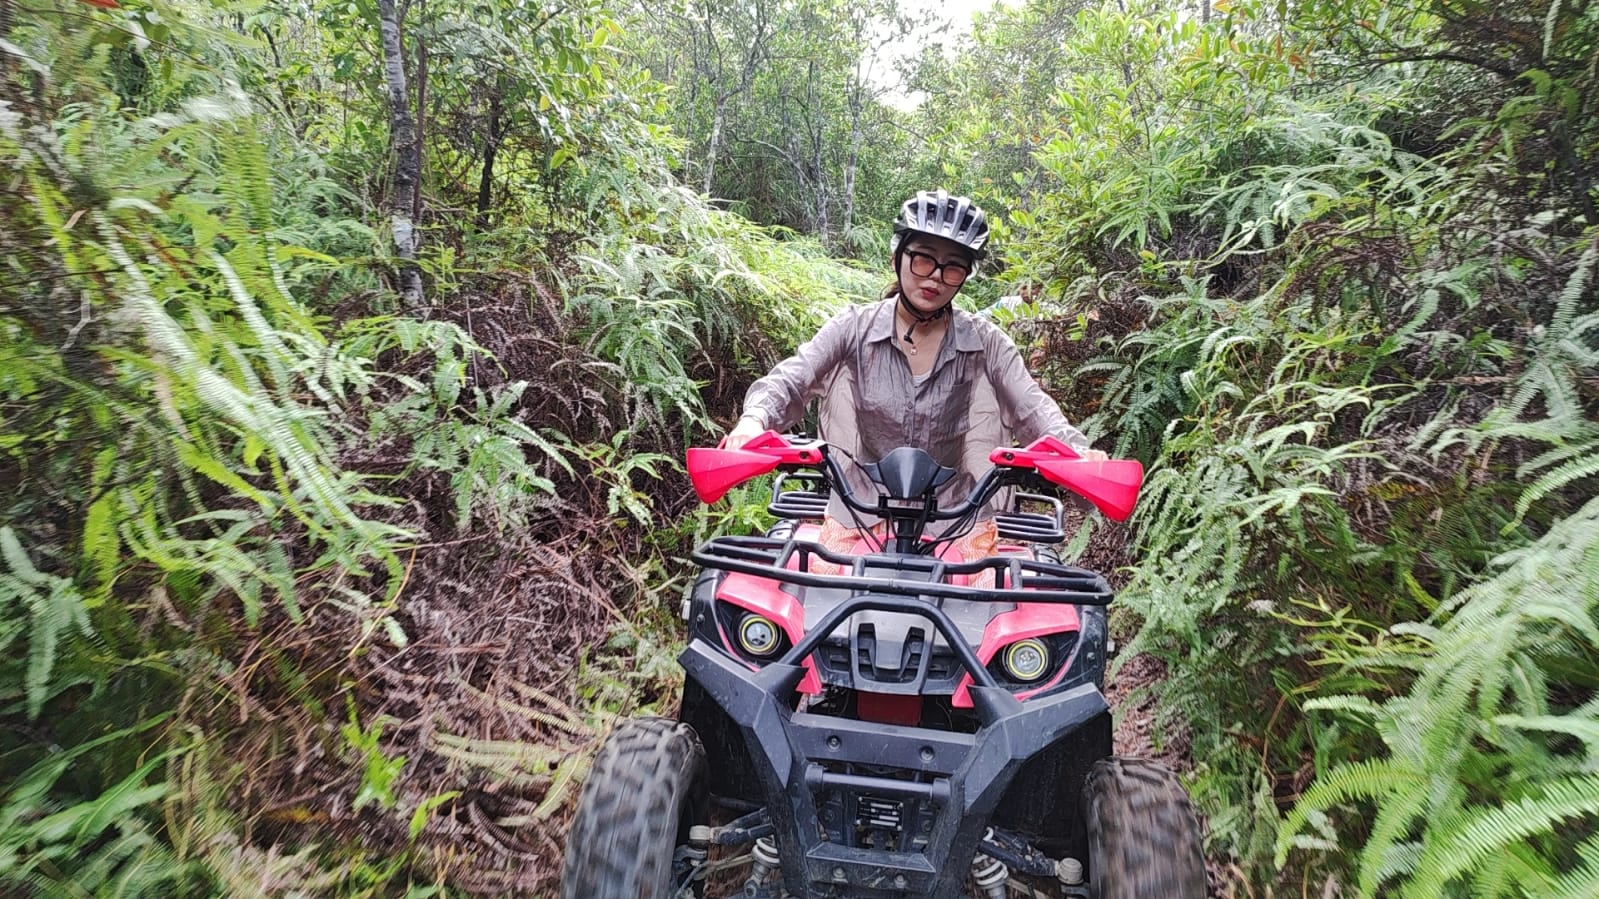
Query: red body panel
1026	620
766	597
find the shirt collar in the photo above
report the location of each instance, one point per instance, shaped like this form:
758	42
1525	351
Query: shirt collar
882	325
962	335
963	331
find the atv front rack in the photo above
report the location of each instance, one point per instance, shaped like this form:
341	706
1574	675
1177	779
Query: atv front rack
1017	578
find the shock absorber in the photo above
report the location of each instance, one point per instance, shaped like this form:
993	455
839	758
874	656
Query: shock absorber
764	860
990	875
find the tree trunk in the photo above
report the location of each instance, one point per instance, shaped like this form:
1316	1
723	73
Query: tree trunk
852	159
817	132
421	121
407	161
823	196
716	143
491	146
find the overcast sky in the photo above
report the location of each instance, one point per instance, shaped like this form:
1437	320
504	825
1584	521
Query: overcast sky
957	12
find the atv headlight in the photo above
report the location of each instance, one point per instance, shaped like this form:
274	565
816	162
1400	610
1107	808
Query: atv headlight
759	636
1026	660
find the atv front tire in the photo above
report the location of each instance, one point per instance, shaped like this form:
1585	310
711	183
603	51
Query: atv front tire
1143	838
644	791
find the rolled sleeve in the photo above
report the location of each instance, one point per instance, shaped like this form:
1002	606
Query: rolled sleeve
1032	412
778	400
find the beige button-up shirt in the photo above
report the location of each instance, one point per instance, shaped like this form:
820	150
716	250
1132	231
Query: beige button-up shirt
978	396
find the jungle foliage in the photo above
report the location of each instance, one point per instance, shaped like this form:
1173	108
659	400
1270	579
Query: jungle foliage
341	508
309	585
784	109
1330	269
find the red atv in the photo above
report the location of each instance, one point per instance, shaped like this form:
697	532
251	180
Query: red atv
889	722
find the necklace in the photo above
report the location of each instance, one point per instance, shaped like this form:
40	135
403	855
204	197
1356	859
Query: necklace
907	339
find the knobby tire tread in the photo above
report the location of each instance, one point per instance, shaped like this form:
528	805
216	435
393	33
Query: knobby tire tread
1144	839
645	779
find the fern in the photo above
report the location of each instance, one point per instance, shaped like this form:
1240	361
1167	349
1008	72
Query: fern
1451	725
1573	462
1583	881
1492	831
1357	780
98	845
654	297
54	609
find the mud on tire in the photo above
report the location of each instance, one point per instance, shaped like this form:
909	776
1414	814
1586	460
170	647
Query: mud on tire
645	789
1143	837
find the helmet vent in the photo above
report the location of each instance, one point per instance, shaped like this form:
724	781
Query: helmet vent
941	215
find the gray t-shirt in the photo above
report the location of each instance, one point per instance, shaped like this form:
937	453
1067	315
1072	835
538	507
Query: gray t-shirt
978	396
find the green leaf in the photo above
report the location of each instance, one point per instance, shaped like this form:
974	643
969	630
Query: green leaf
419	817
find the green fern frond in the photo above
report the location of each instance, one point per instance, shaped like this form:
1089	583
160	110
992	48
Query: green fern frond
1583	728
1585	466
1462	844
1366	780
1359	706
1576	286
55	610
1581	882
1391	850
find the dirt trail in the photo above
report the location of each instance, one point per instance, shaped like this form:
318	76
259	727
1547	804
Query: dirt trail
1131	694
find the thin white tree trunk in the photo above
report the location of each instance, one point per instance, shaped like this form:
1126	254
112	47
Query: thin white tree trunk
407	161
852	159
716	144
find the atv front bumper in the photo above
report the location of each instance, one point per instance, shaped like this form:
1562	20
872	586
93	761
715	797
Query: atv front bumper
957	780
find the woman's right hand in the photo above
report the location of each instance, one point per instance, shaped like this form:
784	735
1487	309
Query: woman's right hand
743	432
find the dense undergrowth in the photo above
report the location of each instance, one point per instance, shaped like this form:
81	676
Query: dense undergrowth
302	592
1348	311
306	592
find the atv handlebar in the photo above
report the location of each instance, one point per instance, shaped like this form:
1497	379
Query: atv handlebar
1110	484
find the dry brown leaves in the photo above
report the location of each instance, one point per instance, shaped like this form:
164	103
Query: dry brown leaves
483	701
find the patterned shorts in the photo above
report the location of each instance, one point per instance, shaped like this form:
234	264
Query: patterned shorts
979	543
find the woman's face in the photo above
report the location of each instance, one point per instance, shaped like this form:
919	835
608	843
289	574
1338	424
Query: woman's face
931	271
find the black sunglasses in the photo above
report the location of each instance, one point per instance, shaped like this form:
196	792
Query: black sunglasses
952	273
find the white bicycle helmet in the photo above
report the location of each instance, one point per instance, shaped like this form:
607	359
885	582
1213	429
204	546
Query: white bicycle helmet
937	213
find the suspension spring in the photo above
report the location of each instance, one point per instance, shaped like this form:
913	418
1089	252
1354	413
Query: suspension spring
763	861
990	875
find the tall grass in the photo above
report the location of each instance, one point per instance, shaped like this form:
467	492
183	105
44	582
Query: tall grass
1363	385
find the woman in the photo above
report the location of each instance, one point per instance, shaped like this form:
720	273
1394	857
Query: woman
912	370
